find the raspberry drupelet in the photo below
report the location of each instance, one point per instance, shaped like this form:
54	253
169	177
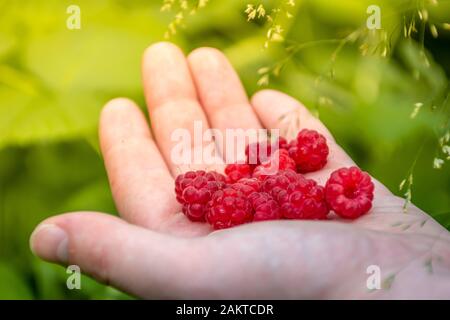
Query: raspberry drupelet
247	186
238	171
264	207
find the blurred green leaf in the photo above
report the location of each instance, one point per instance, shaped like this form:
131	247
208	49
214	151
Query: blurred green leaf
94	59
12	284
7	42
30	119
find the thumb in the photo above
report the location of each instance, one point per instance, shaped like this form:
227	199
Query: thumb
133	259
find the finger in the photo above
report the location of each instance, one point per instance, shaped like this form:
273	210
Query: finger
173	107
141	183
278	110
131	258
221	92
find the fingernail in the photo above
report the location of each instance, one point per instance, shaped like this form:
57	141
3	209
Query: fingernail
50	243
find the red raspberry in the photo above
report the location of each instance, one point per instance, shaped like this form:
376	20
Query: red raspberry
247	186
194	189
259	152
264	207
278	161
274	184
349	192
305	200
309	151
228	208
237	171
298	197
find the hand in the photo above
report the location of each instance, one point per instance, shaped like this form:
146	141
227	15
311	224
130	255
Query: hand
155	252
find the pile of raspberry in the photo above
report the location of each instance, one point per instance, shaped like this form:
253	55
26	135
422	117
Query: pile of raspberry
271	185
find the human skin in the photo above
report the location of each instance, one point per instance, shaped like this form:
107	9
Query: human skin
154	251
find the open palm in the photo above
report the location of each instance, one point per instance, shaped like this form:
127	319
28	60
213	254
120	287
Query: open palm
155	251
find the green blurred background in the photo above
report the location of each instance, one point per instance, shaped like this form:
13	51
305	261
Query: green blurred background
54	81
